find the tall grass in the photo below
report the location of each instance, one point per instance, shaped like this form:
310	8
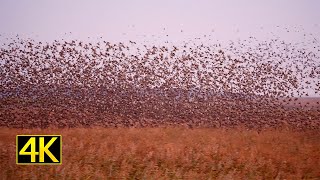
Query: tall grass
170	153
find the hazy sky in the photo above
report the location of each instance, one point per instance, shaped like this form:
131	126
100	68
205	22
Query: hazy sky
134	19
160	21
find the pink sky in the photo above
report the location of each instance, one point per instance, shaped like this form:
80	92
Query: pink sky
123	20
161	21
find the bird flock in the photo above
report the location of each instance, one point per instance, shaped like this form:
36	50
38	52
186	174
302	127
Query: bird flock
253	84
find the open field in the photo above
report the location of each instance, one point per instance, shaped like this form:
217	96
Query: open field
244	110
171	153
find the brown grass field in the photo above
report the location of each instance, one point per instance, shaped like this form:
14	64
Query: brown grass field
170	153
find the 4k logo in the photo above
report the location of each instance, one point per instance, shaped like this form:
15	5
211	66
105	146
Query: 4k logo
39	149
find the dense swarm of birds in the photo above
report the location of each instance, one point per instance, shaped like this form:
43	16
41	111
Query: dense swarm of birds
75	83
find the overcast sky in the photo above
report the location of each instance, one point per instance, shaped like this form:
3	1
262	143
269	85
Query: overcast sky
149	19
162	20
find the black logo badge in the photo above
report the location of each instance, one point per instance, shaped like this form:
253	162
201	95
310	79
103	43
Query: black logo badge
39	149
